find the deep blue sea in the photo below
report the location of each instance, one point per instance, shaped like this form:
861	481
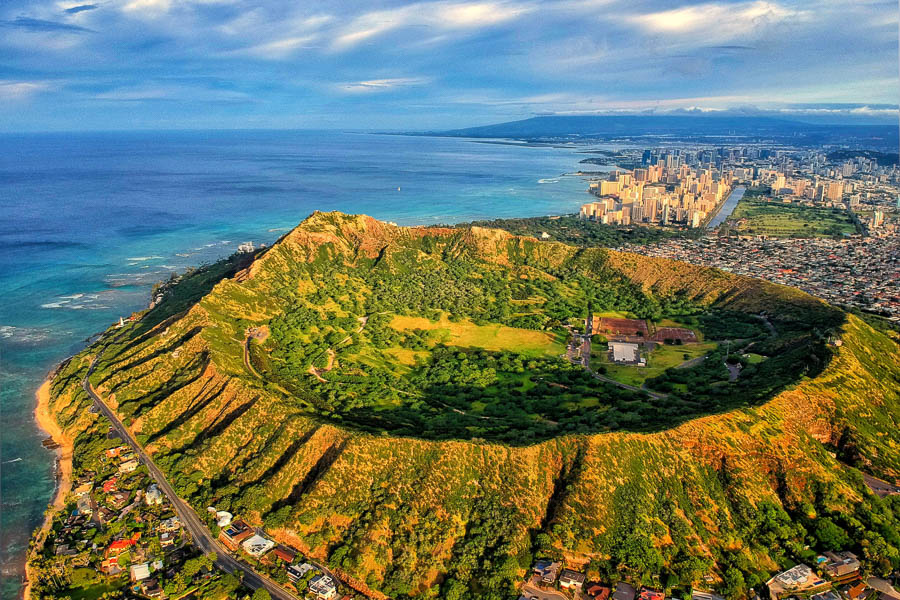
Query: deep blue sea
91	221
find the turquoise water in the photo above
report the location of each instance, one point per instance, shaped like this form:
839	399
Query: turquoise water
91	221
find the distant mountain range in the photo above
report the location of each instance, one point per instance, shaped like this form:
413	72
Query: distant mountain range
555	127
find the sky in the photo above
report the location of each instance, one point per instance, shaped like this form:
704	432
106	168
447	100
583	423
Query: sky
171	64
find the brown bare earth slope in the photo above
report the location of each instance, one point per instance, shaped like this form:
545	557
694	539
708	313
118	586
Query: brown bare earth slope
463	517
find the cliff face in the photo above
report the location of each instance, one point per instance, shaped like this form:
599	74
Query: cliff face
416	516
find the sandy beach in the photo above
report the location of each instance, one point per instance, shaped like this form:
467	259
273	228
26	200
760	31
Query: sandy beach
48	424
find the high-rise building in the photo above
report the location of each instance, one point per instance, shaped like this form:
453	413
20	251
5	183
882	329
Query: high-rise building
834	191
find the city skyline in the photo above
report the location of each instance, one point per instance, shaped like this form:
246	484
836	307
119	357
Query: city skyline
159	64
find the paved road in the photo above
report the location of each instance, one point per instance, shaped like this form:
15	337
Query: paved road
201	536
734	371
880	487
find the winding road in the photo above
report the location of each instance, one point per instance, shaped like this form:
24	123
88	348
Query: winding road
200	535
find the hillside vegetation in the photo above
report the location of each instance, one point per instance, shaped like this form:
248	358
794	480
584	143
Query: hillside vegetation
392	401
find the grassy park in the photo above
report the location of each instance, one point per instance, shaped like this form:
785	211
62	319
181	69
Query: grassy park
494	337
758	216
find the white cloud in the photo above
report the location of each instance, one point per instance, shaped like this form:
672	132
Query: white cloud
147	7
714	19
381	85
437	15
172	92
20	90
156	8
281	48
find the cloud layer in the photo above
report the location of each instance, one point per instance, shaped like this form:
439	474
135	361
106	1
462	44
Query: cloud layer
67	64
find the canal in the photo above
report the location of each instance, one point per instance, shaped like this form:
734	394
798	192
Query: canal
727	207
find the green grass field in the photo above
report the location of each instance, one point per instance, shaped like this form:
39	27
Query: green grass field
662	358
755	359
777	219
495	337
86	584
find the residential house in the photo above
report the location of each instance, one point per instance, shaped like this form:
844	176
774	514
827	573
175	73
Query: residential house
151	588
796	580
597	591
171	524
110	566
105	515
698	595
234	534
110	485
115	452
257	545
153	497
167	539
297	572
547	571
140	572
118	499
323	587
570	579
856	591
84	506
128	466
285	554
624	592
841	567
119	546
648	594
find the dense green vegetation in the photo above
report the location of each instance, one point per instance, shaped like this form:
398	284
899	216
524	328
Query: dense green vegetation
180	292
403	414
570	229
335	348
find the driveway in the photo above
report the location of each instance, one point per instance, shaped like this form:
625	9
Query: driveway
532	591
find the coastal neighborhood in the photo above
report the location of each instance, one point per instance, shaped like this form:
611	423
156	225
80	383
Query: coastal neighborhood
119	536
837	575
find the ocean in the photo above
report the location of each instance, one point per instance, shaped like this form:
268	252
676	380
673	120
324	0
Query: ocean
92	221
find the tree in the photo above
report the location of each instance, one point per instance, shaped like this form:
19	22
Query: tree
734	587
831	535
261	594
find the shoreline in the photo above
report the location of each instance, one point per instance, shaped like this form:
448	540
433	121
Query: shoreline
63	469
